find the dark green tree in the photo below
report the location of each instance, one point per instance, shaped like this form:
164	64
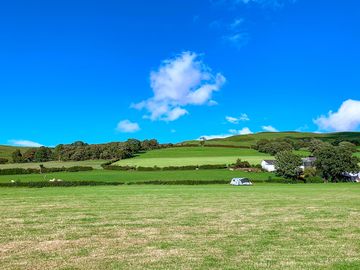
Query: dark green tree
288	165
333	161
17	156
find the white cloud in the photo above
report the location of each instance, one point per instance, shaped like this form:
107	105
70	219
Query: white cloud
127	126
236	120
243	131
269	129
232	132
24	143
181	81
347	117
238	40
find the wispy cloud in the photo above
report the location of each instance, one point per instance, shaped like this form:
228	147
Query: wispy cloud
231	132
180	81
347	118
126	126
236	120
24	143
269	129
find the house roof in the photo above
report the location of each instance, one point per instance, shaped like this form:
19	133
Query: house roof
309	159
270	162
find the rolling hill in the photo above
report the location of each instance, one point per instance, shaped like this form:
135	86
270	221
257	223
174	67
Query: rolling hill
6	151
251	139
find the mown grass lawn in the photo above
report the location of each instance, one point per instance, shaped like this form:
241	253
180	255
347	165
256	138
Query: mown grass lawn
136	176
181	156
181	227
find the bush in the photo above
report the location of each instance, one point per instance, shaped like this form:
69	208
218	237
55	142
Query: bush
79	169
148	169
3	160
15	171
314	179
119	168
180	168
212	167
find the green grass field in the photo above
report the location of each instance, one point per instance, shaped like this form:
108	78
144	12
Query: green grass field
181	227
135	176
180	156
55	164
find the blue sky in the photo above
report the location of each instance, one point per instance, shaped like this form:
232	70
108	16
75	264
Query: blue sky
103	71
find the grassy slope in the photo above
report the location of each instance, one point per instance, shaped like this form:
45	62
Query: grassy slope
194	156
55	164
6	151
248	140
126	177
181	227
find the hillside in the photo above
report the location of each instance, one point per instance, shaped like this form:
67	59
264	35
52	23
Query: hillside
248	140
6	151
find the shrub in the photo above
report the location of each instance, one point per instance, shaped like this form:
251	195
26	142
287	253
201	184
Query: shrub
314	179
79	169
119	168
3	160
179	168
147	169
213	166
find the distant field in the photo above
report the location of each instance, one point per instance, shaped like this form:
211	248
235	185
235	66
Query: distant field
181	227
180	156
134	176
55	164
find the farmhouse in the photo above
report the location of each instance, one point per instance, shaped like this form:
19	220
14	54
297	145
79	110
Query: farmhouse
308	162
268	165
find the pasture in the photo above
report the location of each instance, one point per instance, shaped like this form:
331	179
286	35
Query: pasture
181	156
96	164
138	176
181	227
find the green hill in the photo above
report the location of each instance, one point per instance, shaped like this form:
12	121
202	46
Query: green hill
6	151
251	139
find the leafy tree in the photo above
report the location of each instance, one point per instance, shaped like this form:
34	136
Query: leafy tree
43	154
29	155
288	165
333	161
348	146
315	145
310	172
17	156
242	164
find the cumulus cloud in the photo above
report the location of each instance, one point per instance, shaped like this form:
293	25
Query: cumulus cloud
179	82
126	126
236	120
347	117
232	132
269	129
24	143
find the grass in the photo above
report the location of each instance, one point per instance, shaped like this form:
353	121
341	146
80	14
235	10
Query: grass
6	151
134	176
55	164
181	227
180	156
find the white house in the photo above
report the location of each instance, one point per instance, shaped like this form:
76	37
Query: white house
268	165
308	162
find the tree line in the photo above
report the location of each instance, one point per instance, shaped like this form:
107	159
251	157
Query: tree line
330	165
79	151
